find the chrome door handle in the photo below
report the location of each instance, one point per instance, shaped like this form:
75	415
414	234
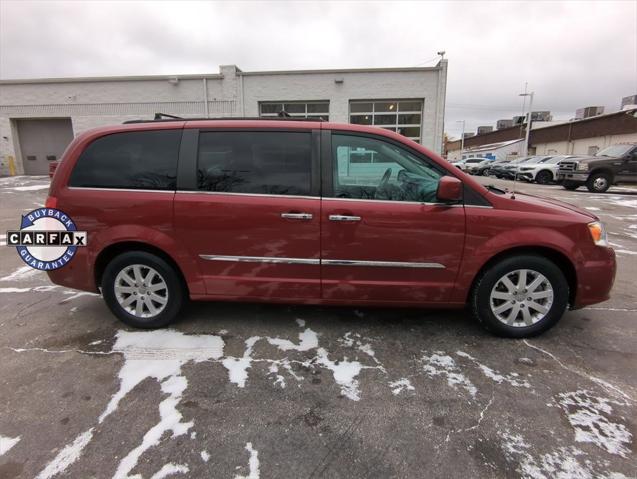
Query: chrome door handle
344	218
296	216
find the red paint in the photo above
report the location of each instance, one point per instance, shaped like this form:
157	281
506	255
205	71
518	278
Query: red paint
463	239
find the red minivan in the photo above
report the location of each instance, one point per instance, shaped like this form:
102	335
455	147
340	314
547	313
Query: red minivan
314	212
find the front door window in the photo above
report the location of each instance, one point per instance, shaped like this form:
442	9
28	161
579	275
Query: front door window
368	168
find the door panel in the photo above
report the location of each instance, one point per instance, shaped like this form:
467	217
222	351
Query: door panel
384	236
238	233
251	219
427	241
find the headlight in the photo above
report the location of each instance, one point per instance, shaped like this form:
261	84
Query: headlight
582	167
598	233
526	169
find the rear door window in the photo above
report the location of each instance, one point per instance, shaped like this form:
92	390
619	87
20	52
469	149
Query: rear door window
130	160
255	162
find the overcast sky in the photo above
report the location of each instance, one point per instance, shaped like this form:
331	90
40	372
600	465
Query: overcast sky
572	54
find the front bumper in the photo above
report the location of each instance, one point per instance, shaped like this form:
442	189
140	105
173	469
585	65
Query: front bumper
572	176
595	278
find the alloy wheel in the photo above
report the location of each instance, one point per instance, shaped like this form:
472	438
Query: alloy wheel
141	291
521	298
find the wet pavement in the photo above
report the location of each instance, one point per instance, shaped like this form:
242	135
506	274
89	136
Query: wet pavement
264	391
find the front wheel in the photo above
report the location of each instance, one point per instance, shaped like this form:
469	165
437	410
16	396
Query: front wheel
544	177
520	296
142	289
598	182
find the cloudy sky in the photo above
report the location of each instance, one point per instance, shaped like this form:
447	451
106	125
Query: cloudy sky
572	54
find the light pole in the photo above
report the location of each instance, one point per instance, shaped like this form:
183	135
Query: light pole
461	138
528	122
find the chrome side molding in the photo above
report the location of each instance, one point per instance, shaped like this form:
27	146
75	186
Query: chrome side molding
259	259
327	262
382	264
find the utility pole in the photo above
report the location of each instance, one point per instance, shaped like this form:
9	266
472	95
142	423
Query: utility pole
529	121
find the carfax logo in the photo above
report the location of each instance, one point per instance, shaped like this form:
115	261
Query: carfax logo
47	239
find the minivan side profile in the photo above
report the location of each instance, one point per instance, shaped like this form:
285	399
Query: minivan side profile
313	212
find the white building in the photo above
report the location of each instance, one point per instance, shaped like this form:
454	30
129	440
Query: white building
38	117
491	151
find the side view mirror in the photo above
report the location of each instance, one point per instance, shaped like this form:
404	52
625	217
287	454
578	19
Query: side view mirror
449	189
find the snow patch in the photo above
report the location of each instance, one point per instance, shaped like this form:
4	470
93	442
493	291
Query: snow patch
159	355
67	456
22	273
440	364
588	415
401	385
253	464
511	378
170	469
344	372
562	463
308	339
205	457
7	443
238	367
30	188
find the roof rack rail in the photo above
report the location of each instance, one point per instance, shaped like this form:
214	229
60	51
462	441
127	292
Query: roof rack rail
227	118
161	116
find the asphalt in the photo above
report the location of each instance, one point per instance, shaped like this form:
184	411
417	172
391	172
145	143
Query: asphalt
272	391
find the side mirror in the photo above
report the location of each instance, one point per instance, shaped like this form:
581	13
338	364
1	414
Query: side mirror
449	189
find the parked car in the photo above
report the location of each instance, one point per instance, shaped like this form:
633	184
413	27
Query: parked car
614	165
509	170
311	212
470	164
542	169
495	168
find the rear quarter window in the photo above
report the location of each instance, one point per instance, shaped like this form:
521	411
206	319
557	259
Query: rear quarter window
132	160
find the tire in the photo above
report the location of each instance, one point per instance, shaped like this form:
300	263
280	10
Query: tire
544	177
569	185
527	320
598	182
122	269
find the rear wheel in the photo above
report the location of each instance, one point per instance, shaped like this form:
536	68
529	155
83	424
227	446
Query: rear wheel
598	182
569	185
520	296
142	289
544	177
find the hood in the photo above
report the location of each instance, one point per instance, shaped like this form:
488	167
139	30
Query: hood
587	158
545	205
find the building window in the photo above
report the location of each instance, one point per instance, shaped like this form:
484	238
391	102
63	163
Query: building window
315	110
401	116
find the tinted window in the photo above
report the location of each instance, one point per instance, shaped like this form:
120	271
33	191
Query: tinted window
136	160
368	168
255	162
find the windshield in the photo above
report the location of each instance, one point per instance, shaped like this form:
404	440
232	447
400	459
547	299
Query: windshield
615	151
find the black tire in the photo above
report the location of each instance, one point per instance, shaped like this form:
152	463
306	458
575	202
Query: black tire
480	299
544	177
598	182
569	185
175	290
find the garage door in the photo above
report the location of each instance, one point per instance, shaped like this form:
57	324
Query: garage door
43	141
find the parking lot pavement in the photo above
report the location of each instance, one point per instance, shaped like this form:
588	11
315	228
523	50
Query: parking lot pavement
245	390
